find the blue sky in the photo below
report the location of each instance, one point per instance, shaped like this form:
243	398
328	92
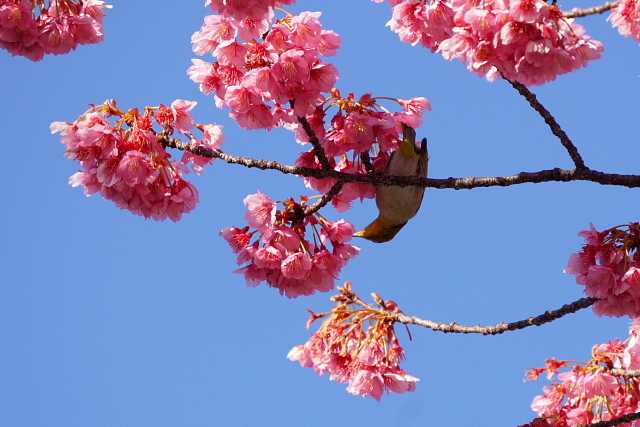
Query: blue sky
107	319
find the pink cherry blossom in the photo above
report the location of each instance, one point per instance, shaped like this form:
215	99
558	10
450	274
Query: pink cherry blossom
256	116
183	121
215	30
236	237
88	179
261	211
329	43
269	257
415	105
306	30
241	98
296	266
134	168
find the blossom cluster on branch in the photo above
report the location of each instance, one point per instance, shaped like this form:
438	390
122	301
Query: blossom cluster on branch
126	162
358	347
608	266
593	391
626	18
263	65
528	41
282	255
57	29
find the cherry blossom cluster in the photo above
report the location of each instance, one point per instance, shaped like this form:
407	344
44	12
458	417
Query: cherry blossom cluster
269	74
527	40
608	266
57	29
359	127
626	18
268	71
281	253
127	163
250	13
588	392
357	347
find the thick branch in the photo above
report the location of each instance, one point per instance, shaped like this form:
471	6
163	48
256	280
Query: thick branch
627	373
578	12
551	121
552	175
617	421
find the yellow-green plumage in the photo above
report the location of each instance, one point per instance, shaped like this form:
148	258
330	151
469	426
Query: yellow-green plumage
397	205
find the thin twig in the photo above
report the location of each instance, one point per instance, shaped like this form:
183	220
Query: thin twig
500	328
548	316
551	121
317	147
325	199
551	175
578	12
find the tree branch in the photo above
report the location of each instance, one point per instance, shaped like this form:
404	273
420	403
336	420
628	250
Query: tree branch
627	373
547	317
617	421
578	12
313	138
551	121
551	175
325	199
500	328
366	161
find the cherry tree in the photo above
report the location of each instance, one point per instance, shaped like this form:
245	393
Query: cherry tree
272	69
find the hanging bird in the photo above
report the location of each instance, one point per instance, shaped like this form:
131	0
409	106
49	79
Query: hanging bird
397	205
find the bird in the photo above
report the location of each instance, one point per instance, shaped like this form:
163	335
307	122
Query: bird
397	205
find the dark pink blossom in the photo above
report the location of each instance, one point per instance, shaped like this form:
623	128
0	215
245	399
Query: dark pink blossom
588	392
126	162
526	40
608	267
282	255
32	30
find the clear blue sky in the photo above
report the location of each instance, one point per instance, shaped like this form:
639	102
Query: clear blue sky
107	319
